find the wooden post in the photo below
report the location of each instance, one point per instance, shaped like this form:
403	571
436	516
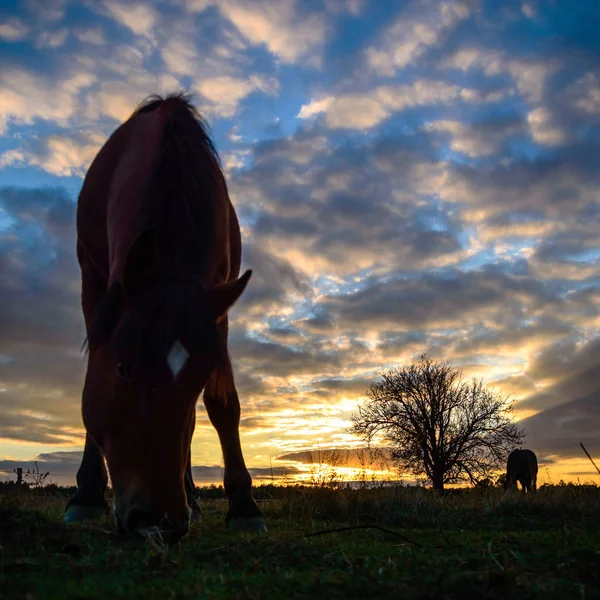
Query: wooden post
19	472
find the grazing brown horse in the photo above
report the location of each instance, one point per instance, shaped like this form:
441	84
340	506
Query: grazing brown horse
159	247
521	466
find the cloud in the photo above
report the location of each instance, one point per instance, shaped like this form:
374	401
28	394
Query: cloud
214	474
61	155
477	140
543	129
287	32
437	301
52	39
140	18
569	361
40	321
218	70
223	94
368	109
207	46
281	361
47	10
198	5
530	335
13	30
118	99
561	388
314	107
37	425
585	94
356	386
180	56
530	76
417	28
90	35
357	458
555	187
25	96
39	284
353	210
560	429
353	7
356	111
234	159
274	280
500	308
528	10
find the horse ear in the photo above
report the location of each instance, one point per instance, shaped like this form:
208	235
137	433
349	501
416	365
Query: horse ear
225	295
142	258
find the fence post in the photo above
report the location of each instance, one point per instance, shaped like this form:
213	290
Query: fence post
19	477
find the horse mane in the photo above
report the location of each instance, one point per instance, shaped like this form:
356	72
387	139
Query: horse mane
184	102
172	247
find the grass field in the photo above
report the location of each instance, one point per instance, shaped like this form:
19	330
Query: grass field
467	544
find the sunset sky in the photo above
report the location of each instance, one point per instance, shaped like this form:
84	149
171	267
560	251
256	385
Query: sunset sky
411	176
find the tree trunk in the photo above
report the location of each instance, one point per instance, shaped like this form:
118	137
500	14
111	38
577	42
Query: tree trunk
438	481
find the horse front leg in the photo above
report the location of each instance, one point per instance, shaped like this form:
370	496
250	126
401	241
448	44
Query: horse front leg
223	408
190	487
89	502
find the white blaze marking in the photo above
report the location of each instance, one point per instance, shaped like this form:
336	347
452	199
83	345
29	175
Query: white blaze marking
177	357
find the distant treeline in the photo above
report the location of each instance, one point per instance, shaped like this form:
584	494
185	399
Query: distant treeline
274	491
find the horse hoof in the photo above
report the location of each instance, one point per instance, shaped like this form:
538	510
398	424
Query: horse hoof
74	514
248	524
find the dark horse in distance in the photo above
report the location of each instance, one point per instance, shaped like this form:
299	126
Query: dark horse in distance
521	466
159	247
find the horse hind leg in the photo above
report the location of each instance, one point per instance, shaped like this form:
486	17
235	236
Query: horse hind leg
89	502
223	408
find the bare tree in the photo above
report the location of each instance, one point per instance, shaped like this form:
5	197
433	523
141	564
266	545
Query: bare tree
437	424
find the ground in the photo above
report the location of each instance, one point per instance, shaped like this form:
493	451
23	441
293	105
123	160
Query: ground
411	544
